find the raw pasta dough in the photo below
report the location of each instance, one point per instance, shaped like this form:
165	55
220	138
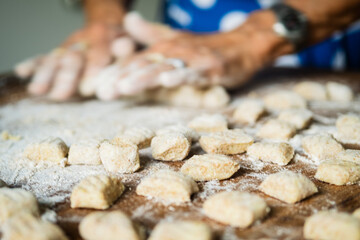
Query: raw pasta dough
348	127
300	118
139	136
25	226
288	186
338	172
237	209
209	123
120	157
280	153
311	90
181	230
113	225
331	225
85	152
226	142
249	111
210	167
276	129
284	99
97	191
50	150
339	92
167	185
16	200
321	147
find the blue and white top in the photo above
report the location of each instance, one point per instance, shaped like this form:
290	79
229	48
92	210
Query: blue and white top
341	51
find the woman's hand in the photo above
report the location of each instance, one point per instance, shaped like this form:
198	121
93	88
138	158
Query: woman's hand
227	59
74	64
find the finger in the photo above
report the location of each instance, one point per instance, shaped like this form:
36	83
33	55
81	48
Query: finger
27	68
145	32
96	61
123	47
106	83
142	79
65	83
180	76
42	79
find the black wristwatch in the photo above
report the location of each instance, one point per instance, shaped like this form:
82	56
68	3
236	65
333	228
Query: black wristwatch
291	23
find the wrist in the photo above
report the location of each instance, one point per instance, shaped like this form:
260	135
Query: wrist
268	45
107	12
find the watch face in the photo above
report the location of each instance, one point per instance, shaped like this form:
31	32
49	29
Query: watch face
291	22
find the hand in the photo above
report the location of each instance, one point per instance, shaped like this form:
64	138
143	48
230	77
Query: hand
75	64
227	59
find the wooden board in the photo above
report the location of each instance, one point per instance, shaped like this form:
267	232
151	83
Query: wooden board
285	221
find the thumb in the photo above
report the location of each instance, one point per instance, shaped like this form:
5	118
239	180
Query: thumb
146	32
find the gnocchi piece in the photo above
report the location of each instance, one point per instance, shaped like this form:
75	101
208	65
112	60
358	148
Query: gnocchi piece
321	147
120	157
215	97
276	129
339	92
300	118
338	172
348	127
288	186
25	226
356	213
311	90
280	153
249	111
167	185
237	209
181	230
349	155
139	136
114	225
96	191
170	147
209	123
226	142
210	167
332	225
16	200
186	96
189	133
50	150
284	99
85	152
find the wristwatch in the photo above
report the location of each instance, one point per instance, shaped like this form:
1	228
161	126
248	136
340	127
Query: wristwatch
291	23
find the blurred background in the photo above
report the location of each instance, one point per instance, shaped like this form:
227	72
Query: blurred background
30	27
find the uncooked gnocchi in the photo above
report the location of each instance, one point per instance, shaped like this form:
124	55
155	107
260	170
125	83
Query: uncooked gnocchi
226	142
311	90
16	200
215	97
50	150
181	230
209	123
276	129
25	226
170	145
167	185
348	155
356	213
348	127
96	191
339	92
300	118
120	157
284	99
321	147
338	172
332	225
280	153
85	152
114	225
210	167
237	209
288	186
249	111
139	136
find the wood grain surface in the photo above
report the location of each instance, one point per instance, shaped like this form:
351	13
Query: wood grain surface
285	221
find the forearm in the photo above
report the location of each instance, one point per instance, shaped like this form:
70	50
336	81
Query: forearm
105	11
326	16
